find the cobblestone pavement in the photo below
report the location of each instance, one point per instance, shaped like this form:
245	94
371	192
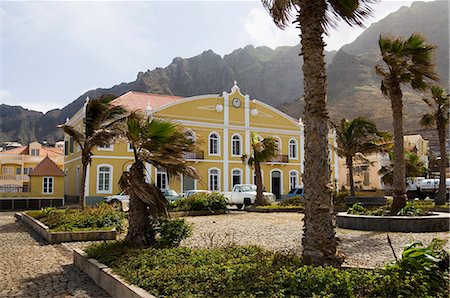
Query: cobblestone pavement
283	232
29	267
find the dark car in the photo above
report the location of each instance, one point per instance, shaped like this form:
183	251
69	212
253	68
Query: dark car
296	192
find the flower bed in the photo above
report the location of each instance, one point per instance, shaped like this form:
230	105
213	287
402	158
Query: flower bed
252	271
212	202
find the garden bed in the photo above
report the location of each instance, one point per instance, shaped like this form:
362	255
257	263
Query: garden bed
176	214
250	272
435	222
69	236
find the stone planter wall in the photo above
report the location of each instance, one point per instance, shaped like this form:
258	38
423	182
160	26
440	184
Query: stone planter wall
103	276
57	237
438	222
177	214
270	210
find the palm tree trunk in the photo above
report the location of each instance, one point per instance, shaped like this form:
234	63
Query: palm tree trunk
259	200
349	161
399	160
319	241
138	216
440	125
82	186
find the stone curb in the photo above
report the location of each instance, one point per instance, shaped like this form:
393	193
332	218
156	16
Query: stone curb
437	222
57	237
103	276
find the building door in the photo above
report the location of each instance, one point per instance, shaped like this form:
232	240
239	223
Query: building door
276	183
188	183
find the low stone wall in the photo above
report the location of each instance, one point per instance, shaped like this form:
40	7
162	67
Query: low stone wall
269	210
103	276
57	237
437	222
29	203
177	214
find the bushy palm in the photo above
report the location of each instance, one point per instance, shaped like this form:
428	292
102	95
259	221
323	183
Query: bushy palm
359	136
439	103
262	151
414	167
162	144
101	126
409	61
313	19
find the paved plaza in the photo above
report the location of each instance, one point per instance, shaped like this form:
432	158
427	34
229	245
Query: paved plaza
29	267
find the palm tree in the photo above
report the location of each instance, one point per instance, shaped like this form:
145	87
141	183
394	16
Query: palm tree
101	126
262	151
439	102
359	135
414	167
162	144
313	18
409	61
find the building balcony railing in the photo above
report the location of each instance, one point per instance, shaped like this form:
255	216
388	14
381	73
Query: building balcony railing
281	158
14	189
194	155
11	177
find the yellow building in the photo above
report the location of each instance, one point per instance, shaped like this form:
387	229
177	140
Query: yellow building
220	125
47	180
17	164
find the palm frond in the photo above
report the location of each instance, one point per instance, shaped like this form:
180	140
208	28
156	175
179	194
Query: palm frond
353	12
281	11
427	120
74	133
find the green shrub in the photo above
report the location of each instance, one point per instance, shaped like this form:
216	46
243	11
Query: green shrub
201	202
411	210
254	272
292	201
357	209
101	217
166	233
339	198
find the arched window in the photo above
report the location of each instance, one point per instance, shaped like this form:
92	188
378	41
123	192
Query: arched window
293	149
104	179
214	144
214	179
236	145
293	179
278	144
161	179
236	176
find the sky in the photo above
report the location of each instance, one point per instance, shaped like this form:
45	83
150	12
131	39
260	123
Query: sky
52	52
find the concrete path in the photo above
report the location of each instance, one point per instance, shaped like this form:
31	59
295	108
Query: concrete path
29	267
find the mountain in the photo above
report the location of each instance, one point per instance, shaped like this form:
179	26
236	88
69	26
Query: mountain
272	76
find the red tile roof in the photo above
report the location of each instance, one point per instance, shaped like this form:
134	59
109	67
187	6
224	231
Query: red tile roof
133	100
44	151
46	168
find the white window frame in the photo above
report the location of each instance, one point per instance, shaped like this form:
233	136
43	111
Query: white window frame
192	134
111	168
297	179
109	147
47	183
239	139
129	148
7	170
293	141
241	175
162	172
35	152
280	144
218	144
218	179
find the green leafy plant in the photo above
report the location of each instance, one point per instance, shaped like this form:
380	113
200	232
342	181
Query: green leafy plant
101	217
166	233
357	209
293	201
201	202
411	210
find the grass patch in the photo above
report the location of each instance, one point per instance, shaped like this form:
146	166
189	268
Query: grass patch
102	217
254	272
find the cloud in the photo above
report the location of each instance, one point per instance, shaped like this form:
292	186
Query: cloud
263	31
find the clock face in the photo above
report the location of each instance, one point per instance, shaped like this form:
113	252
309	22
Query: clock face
236	102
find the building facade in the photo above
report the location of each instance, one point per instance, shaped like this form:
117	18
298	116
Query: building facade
220	125
17	164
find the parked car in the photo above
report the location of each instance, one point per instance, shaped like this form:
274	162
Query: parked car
245	194
171	195
194	192
121	201
296	192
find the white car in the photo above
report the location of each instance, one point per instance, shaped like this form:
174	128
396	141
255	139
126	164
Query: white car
245	194
121	201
